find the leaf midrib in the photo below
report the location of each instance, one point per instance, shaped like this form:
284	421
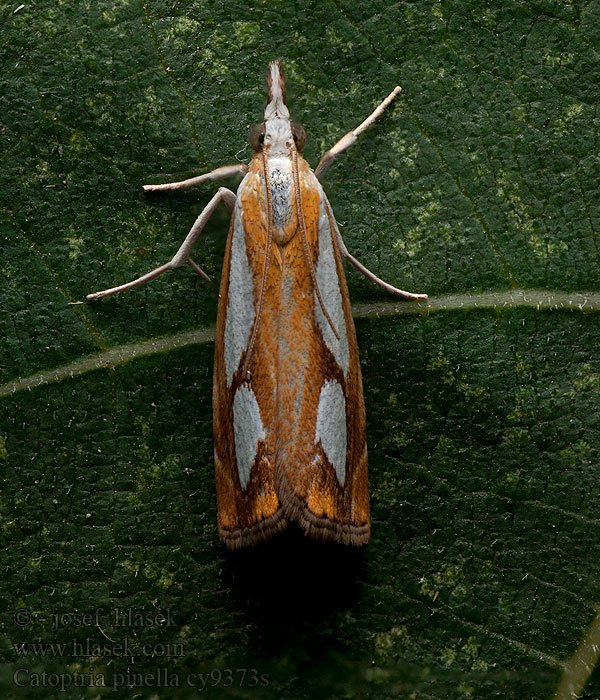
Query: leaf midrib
121	354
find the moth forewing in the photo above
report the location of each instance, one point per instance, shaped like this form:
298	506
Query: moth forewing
322	466
288	408
243	427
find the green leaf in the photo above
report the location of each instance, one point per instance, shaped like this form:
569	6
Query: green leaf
478	186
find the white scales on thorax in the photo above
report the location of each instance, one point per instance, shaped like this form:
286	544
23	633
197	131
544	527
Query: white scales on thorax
282	188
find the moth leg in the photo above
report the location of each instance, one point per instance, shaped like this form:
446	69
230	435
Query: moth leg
364	270
217	174
351	136
182	256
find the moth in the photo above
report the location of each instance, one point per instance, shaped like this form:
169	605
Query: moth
288	409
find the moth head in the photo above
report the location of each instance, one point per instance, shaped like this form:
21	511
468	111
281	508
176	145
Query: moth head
257	136
276	135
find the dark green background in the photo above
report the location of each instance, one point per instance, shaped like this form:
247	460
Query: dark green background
481	578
